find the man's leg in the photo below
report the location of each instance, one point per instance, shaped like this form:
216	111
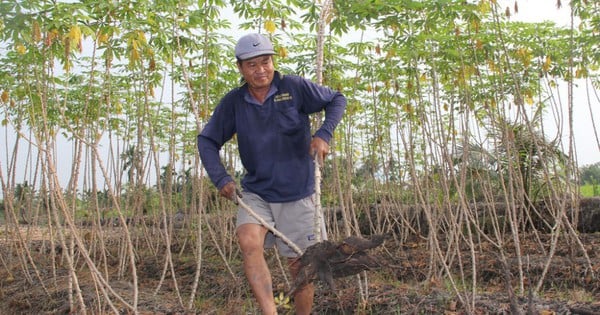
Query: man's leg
251	238
304	296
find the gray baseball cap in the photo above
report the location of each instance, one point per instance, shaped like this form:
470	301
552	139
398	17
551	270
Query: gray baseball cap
253	45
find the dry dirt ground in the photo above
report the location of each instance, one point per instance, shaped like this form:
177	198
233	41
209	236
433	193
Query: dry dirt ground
400	286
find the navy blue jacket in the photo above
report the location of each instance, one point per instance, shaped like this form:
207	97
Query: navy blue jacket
273	138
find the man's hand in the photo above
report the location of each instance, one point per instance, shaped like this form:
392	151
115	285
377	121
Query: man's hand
230	192
319	147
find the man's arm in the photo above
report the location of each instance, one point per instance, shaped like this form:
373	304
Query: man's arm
219	129
317	98
334	111
209	154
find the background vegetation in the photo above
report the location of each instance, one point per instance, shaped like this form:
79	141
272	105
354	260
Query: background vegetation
448	106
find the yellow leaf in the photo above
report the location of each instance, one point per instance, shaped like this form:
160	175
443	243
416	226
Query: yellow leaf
493	67
75	35
4	96
547	64
525	55
270	26
141	37
282	300
580	73
390	53
118	109
283	52
529	100
102	38
479	44
484	6
475	24
135	55
21	50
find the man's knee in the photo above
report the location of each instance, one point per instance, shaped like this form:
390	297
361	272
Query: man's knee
251	237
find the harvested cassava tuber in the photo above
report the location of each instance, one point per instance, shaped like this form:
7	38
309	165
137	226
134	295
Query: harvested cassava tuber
326	260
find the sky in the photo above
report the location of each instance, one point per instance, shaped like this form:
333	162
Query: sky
588	151
539	11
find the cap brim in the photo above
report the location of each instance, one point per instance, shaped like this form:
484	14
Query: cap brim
255	54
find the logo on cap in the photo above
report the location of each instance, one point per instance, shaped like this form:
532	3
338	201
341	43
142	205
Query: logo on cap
253	45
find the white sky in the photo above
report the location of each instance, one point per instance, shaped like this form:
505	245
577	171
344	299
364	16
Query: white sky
586	143
539	11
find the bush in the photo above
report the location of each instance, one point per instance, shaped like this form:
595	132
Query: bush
590	190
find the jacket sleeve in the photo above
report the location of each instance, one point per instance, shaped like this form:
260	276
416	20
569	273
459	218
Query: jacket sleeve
334	111
318	98
211	160
219	129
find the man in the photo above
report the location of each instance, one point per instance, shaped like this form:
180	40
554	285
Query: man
269	113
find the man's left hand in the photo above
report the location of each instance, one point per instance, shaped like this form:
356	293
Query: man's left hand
319	147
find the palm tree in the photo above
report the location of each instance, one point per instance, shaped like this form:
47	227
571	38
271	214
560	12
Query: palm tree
529	166
523	149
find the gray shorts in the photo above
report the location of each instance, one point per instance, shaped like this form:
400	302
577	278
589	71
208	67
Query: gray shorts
293	219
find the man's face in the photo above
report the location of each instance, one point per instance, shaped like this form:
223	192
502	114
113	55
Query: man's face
258	71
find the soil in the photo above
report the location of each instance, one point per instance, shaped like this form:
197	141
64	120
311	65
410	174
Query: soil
404	284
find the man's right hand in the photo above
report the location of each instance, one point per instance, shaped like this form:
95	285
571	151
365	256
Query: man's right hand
230	192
